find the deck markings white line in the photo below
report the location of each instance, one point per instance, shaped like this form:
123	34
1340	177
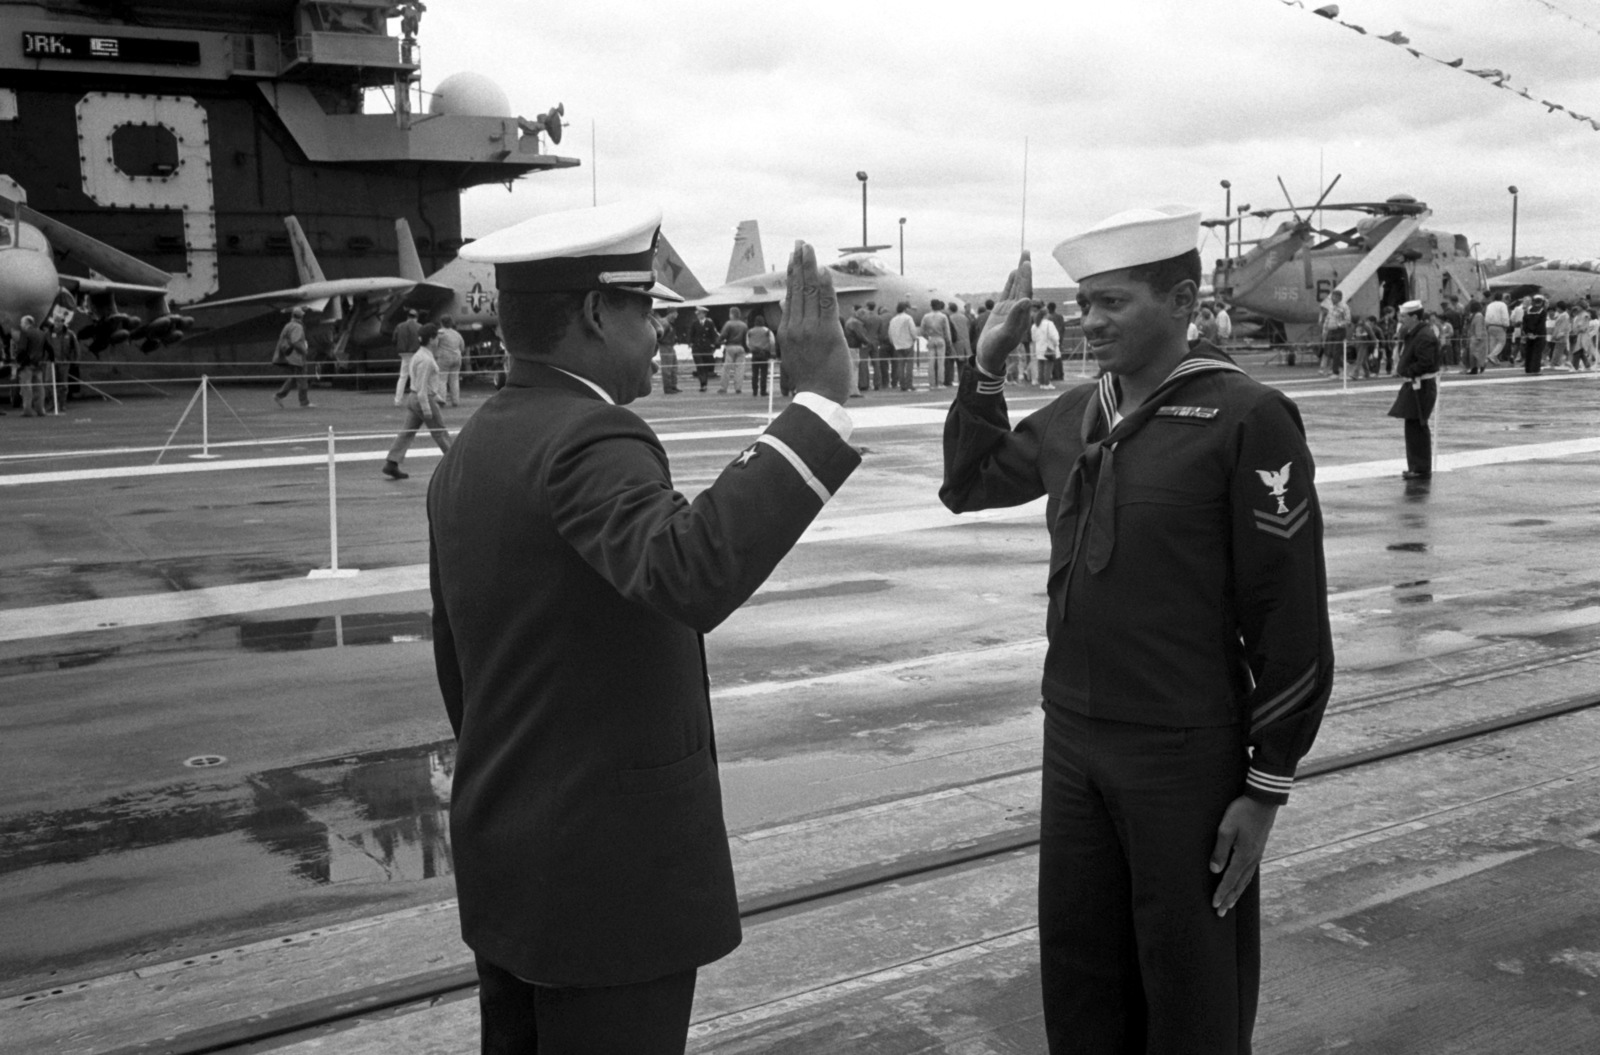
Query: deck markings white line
19	624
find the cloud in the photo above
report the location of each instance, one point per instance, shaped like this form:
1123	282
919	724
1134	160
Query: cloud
725	111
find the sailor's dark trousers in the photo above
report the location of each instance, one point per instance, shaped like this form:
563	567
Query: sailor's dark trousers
1134	958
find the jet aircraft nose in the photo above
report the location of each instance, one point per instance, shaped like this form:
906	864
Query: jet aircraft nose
28	284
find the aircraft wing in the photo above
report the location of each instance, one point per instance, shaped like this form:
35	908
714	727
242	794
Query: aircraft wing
429	297
99	286
737	297
314	295
73	244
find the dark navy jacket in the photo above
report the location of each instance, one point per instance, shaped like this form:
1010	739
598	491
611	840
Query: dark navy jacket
571	586
1213	608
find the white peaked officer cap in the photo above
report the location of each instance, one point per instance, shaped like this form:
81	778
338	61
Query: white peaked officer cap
608	247
1411	307
1131	238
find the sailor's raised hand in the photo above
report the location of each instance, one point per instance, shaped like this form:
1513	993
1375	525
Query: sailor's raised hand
810	338
1009	321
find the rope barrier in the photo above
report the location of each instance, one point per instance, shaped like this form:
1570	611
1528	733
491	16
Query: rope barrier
112	452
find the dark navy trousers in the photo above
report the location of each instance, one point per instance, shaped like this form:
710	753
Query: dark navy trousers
1134	959
519	1018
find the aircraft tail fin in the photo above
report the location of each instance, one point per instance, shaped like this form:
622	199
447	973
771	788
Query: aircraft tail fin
746	259
305	261
410	262
673	273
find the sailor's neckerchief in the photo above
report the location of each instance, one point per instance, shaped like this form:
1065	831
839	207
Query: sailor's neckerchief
1088	516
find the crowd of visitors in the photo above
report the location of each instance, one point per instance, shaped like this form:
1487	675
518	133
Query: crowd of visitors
1472	336
41	360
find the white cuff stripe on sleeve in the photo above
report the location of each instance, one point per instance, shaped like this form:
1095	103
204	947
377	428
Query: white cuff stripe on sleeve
1269	783
990	388
799	464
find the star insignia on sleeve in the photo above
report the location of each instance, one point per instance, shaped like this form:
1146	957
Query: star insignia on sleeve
748	453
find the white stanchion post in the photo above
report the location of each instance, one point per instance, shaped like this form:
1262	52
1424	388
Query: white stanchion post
1344	366
333	571
1435	461
55	395
205	421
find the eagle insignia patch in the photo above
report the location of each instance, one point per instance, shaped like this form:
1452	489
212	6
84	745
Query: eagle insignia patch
1277	483
1283	522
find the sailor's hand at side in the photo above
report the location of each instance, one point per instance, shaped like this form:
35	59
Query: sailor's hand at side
1241	840
1009	321
815	355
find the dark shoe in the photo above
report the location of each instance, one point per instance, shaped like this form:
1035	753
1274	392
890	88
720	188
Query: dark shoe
392	471
308	406
1409	475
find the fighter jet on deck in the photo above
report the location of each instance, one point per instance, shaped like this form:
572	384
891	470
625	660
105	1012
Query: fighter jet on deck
30	284
859	275
1559	280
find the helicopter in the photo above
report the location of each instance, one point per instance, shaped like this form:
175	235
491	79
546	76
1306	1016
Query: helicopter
1386	259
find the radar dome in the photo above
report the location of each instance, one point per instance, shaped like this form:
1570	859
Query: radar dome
468	94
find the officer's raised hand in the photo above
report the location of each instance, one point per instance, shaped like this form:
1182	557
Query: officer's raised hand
815	355
1009	321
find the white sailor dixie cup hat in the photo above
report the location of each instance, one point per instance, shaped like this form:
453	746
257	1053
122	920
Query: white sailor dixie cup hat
607	247
1128	239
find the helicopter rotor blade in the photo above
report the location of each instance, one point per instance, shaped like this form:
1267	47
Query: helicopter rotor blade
1289	200
1325	193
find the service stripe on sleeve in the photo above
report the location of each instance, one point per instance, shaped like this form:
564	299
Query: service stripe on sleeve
1285	701
799	464
1272	785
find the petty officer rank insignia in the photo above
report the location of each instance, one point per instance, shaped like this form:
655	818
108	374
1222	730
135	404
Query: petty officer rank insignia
1282	521
1195	414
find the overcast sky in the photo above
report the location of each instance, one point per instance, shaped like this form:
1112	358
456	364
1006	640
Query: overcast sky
726	111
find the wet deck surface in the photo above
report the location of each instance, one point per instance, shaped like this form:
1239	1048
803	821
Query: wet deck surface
888	672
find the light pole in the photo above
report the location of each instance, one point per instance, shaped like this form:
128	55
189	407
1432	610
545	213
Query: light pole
1513	191
862	176
1227	214
902	245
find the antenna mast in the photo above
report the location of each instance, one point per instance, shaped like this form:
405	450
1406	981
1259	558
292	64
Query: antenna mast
1024	237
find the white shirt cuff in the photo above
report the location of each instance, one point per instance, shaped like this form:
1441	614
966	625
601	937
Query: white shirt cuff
834	414
979	367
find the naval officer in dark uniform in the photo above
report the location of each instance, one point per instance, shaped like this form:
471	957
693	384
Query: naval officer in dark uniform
1418	368
572	586
1189	659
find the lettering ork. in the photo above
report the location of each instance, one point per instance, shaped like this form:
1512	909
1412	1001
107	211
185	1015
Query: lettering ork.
186	189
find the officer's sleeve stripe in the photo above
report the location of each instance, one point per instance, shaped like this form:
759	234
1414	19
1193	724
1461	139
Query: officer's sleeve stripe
1272	785
799	464
991	387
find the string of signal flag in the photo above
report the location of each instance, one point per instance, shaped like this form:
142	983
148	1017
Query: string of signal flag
1554	10
1494	77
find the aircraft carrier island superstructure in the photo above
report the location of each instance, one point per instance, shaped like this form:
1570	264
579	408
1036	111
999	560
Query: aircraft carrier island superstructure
184	131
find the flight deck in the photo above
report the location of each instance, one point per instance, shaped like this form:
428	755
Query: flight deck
223	813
